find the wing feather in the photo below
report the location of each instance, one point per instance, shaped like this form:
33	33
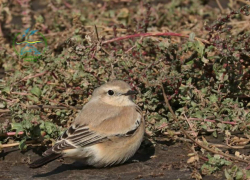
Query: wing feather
76	136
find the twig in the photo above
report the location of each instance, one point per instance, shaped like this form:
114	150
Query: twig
190	132
65	105
4	110
28	94
44	107
52	107
210	120
191	138
8	145
216	145
243	1
21	93
67	5
37	75
96	32
28	143
3	99
133	46
13	144
219	4
3	114
190	125
151	34
176	133
130	48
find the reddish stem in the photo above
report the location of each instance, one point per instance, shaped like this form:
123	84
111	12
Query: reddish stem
67	5
203	158
12	133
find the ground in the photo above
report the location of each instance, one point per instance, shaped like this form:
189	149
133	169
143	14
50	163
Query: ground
165	161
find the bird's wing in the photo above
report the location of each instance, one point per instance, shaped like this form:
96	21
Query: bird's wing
82	135
77	136
137	120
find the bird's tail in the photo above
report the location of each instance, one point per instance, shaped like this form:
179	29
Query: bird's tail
44	160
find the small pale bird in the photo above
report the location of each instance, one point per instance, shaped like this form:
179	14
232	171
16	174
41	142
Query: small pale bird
108	130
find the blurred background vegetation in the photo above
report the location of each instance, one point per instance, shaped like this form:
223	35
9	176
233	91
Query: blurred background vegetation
203	67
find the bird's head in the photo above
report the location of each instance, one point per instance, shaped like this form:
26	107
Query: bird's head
116	93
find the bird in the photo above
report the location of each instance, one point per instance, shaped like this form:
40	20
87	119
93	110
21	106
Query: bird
107	131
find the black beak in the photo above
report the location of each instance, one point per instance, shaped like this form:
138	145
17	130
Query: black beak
130	92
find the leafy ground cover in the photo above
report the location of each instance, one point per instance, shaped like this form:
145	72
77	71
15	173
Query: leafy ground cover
184	55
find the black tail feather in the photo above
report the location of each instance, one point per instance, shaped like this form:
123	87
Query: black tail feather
44	160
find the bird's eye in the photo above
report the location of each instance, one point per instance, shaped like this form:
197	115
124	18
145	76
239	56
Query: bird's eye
110	92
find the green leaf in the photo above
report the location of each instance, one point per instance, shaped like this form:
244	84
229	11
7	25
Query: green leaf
198	114
215	134
239	175
189	81
190	62
36	91
42	125
191	36
227	175
205	60
48	127
204	91
17	126
27	124
2	105
123	13
22	145
33	98
193	104
6	89
213	98
199	47
248	174
58	113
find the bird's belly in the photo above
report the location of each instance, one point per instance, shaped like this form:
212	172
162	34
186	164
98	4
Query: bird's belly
114	151
110	153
